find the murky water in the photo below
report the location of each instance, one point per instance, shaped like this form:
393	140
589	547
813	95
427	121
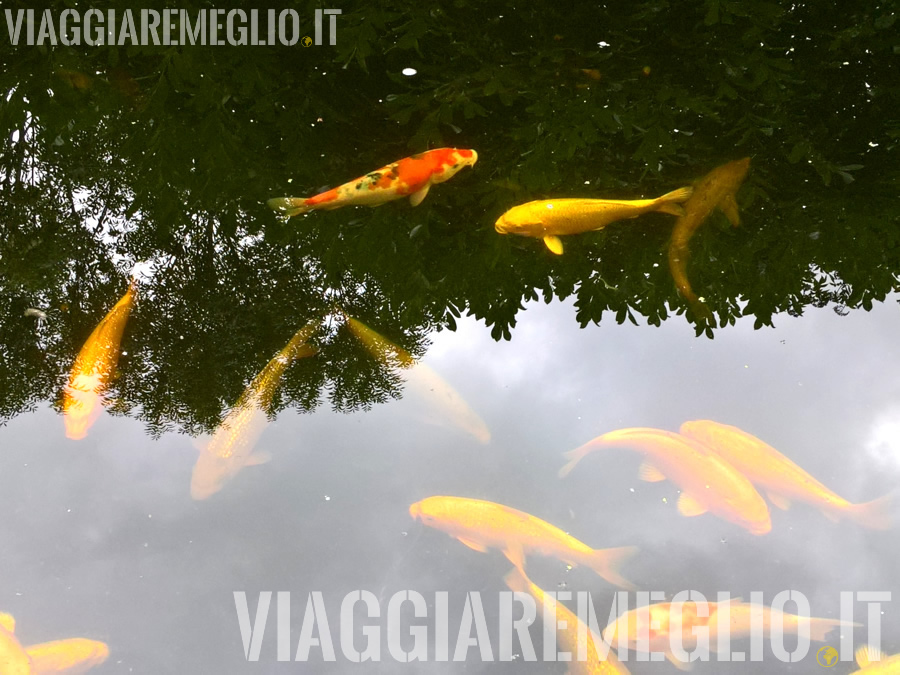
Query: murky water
159	163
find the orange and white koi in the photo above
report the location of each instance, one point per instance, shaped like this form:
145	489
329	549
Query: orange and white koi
575	638
872	662
481	525
447	407
708	483
94	367
651	627
232	446
781	479
409	177
716	190
547	219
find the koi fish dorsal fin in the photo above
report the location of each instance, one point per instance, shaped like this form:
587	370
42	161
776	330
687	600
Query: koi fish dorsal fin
416	197
866	655
7	623
554	244
689	507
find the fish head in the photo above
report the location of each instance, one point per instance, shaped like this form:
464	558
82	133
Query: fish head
210	475
524	219
432	511
454	161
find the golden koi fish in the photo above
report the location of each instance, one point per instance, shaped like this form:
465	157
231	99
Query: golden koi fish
654	624
716	190
571	641
409	177
781	479
549	218
231	447
481	525
872	662
448	408
707	482
72	657
14	660
94	367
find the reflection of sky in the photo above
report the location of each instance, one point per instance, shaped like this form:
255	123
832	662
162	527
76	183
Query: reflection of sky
100	537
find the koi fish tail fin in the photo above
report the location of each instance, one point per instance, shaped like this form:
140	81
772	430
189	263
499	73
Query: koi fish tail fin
876	514
289	206
607	561
669	202
820	628
574	456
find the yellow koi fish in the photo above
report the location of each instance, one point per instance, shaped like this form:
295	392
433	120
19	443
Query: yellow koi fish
872	662
72	657
13	658
94	368
409	177
781	479
481	525
707	482
231	447
571	641
716	190
654	624
448	408
549	218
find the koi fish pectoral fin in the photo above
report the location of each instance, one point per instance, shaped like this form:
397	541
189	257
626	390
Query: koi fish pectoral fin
416	197
729	207
516	556
259	457
554	243
474	545
780	501
689	507
678	663
650	473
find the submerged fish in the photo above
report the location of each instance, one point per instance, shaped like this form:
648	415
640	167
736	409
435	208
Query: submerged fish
409	177
447	406
232	445
872	662
707	482
654	624
481	525
781	479
575	637
14	660
94	367
549	218
716	190
72	657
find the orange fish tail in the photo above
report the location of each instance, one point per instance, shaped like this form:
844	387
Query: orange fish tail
289	206
820	628
669	202
574	456
607	561
876	514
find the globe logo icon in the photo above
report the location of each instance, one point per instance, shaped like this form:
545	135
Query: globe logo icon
306	41
827	656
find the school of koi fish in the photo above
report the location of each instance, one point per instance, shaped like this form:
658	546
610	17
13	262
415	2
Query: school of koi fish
720	469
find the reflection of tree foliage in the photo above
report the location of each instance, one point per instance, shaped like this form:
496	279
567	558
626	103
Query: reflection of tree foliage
112	156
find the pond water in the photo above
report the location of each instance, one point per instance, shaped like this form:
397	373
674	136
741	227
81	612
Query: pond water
433	355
